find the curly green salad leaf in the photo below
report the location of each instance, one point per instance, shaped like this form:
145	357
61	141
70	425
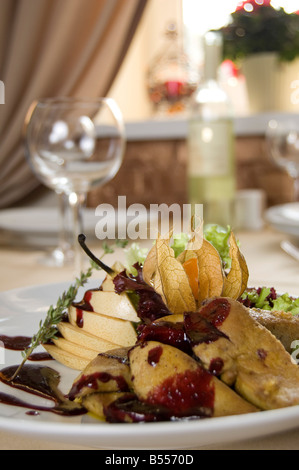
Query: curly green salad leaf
266	298
134	254
179	243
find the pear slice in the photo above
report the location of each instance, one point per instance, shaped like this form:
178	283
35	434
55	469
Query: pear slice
77	335
166	376
111	329
108	284
66	358
76	349
111	304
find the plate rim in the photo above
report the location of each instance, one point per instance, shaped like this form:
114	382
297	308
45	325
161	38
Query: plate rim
274	210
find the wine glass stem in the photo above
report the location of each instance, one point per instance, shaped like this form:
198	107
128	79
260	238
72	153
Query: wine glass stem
63	243
76	201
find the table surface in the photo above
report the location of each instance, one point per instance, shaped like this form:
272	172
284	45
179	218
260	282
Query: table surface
267	263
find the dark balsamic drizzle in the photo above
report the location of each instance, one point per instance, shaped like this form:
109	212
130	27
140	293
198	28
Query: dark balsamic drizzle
20	343
15	343
35	379
41	356
40	381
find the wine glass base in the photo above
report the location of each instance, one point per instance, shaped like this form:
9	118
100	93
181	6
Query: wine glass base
57	258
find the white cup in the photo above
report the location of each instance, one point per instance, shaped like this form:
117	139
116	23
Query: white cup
249	209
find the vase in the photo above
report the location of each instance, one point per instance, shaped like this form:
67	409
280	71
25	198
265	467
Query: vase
272	85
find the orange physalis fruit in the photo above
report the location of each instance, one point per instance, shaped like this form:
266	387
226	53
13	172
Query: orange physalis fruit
192	271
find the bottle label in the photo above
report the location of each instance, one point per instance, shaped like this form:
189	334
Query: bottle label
210	148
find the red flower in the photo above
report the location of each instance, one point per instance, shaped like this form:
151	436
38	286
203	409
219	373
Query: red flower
254	4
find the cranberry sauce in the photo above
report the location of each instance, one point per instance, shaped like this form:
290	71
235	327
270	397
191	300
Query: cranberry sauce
202	326
91	382
83	306
79	318
216	366
154	355
166	332
199	330
216	311
86	300
190	393
41	381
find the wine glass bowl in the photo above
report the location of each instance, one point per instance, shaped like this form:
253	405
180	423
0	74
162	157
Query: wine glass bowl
74	145
282	137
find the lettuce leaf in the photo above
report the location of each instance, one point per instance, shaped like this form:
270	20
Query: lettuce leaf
134	255
179	243
266	298
287	304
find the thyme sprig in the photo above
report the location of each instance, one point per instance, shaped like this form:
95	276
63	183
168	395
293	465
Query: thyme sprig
48	327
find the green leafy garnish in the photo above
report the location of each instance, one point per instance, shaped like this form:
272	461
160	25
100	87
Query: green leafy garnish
258	298
179	243
134	255
266	298
286	303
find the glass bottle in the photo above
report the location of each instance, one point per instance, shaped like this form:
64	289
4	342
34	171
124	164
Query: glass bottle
210	142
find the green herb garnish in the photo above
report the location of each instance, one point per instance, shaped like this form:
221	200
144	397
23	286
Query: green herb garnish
48	327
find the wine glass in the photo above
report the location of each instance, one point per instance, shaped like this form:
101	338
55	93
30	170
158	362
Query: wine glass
74	145
282	137
62	254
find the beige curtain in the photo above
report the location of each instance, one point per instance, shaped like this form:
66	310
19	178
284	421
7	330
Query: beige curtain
52	48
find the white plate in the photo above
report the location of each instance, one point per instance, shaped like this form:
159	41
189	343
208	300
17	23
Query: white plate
284	218
39	220
39	226
20	313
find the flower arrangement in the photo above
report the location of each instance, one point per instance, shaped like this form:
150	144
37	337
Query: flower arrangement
258	27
